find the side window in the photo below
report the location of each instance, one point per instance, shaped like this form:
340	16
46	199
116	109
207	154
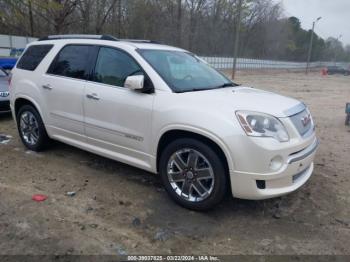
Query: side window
114	66
72	61
33	57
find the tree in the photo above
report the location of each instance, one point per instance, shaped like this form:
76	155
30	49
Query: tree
206	27
103	10
195	8
55	13
179	22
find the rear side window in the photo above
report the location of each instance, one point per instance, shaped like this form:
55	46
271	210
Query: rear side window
33	57
72	61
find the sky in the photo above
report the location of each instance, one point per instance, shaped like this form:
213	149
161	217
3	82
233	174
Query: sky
335	16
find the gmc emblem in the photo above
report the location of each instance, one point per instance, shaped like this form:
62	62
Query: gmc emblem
306	120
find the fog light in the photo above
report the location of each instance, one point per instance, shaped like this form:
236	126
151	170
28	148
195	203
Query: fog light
276	163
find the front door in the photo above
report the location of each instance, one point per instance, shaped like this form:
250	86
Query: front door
118	119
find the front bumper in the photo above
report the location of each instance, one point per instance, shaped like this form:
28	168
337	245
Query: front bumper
296	169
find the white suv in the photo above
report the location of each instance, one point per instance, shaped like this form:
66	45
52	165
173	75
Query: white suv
164	110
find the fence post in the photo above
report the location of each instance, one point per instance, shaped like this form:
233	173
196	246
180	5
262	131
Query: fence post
238	28
11	43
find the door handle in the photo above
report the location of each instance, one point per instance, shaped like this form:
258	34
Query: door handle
48	87
93	96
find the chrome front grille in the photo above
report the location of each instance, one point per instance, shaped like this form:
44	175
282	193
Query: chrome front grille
303	122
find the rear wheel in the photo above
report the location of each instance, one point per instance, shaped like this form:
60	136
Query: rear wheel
193	174
31	128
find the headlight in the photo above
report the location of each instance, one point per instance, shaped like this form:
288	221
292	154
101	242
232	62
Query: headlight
262	125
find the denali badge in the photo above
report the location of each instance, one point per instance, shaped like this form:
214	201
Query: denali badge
306	120
4	94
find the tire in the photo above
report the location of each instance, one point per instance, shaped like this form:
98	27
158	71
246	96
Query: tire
31	129
207	173
347	120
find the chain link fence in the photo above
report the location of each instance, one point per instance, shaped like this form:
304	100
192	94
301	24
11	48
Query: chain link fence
226	63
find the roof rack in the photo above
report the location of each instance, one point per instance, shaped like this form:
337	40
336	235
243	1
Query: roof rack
96	37
140	41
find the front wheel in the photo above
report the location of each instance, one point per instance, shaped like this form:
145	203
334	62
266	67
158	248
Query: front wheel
193	174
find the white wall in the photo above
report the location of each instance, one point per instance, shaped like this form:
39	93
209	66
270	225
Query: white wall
7	42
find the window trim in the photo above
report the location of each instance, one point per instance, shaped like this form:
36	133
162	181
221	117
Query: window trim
92	65
25	52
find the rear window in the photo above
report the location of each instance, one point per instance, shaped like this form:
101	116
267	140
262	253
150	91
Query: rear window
72	61
33	57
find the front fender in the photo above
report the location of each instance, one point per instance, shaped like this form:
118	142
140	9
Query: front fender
196	130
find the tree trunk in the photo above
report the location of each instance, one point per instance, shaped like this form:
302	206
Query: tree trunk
31	20
179	22
120	18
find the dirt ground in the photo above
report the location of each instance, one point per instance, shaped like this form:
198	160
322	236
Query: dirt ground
119	209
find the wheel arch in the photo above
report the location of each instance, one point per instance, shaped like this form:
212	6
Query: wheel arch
23	100
173	134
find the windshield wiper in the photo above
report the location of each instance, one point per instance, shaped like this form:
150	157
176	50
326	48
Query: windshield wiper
206	89
227	85
224	85
193	90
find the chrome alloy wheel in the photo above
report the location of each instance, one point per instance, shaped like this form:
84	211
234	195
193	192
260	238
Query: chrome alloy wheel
29	128
191	175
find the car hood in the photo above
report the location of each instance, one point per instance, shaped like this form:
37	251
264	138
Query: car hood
249	99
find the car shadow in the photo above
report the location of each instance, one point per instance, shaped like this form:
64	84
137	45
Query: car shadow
147	179
163	206
5	116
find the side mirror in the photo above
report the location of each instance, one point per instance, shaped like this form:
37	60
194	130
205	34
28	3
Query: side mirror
135	82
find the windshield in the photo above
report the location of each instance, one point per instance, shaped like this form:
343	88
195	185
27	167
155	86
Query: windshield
184	72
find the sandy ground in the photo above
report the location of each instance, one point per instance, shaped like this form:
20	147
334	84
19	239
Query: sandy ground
119	209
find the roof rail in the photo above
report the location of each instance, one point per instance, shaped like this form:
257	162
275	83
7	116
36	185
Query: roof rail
140	41
97	37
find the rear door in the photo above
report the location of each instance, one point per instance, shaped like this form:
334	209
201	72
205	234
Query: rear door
63	90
